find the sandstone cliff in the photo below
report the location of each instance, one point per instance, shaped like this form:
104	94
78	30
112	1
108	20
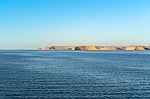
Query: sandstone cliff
62	47
110	47
85	48
135	48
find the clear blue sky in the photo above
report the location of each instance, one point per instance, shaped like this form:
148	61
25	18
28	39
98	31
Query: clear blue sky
38	23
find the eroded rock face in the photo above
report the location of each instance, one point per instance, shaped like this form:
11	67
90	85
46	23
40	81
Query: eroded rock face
135	48
85	48
147	47
62	47
110	48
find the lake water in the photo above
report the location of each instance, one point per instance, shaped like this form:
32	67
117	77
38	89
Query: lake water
74	74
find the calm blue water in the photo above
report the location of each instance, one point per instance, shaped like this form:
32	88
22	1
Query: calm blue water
75	74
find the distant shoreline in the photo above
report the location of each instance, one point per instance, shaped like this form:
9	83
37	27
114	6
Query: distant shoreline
92	47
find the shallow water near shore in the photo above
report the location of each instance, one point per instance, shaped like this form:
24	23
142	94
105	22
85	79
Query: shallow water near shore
74	74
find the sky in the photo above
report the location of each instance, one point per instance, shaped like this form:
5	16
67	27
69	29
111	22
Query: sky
39	23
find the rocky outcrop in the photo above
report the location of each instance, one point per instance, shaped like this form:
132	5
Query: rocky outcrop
85	48
110	48
135	48
62	47
147	47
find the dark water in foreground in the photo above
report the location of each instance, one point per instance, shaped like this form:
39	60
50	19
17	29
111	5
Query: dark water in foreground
75	74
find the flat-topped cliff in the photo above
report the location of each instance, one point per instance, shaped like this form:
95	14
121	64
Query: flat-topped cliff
135	48
92	47
110	47
85	48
